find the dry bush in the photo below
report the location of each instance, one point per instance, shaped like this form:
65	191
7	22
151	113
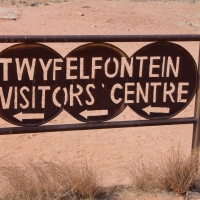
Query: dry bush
179	171
30	2
84	182
48	181
175	172
144	175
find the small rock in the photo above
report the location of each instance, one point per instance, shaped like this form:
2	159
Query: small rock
192	195
197	185
86	7
9	14
35	4
93	26
80	13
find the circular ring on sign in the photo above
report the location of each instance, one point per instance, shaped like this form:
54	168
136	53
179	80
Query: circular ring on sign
164	80
31	82
95	77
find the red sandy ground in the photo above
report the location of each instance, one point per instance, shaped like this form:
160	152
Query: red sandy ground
110	150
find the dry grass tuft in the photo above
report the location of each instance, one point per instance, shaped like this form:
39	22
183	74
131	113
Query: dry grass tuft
144	175
179	172
48	181
67	181
176	172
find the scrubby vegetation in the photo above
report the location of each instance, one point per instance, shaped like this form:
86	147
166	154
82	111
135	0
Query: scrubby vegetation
67	181
48	181
175	172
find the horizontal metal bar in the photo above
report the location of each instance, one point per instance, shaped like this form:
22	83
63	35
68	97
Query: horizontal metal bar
101	125
96	38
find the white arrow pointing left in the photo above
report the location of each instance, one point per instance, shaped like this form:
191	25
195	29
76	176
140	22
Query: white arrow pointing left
20	116
150	109
88	113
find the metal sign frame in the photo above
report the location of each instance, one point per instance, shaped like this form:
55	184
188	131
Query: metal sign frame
115	124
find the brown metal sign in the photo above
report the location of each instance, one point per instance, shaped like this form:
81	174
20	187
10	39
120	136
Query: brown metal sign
92	72
164	80
94	82
31	82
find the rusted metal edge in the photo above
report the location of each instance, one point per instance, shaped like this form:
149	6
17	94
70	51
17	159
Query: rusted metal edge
102	125
96	38
196	127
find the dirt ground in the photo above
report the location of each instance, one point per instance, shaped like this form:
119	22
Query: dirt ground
110	150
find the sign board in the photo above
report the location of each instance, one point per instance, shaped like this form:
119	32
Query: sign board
94	82
31	82
164	80
92	72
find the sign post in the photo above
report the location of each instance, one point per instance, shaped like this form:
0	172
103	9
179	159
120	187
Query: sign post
36	83
196	127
